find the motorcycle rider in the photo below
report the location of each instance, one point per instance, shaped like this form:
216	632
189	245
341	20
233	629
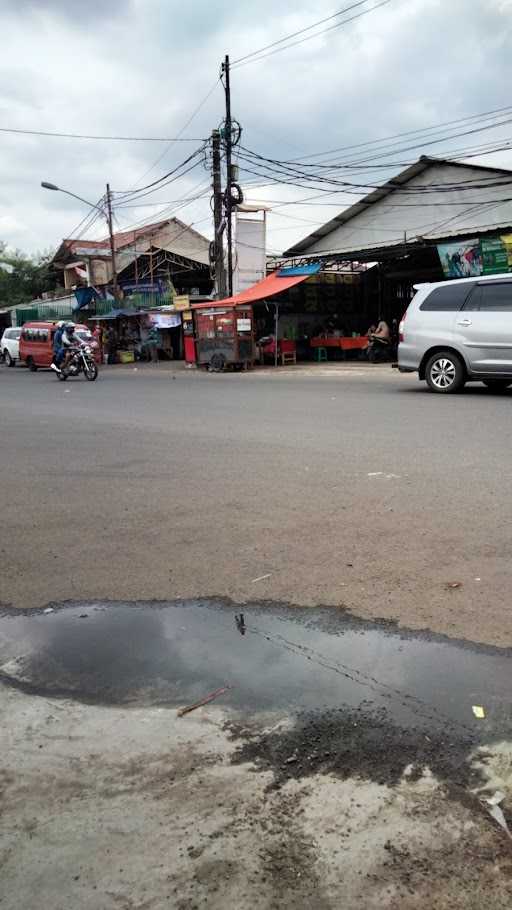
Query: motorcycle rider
68	341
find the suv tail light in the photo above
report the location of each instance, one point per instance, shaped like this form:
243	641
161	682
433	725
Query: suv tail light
401	327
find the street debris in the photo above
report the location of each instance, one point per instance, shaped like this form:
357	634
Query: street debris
496	812
204	701
240	623
262	577
478	711
49	610
454	584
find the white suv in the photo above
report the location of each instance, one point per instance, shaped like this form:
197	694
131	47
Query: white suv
10	346
459	331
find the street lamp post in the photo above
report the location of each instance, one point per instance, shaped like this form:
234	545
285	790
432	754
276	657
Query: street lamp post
108	218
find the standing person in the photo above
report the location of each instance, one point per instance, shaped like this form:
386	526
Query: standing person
111	344
98	337
153	343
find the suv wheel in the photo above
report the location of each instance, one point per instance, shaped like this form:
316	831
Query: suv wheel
8	359
444	373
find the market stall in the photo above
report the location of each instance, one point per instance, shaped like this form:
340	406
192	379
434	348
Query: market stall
224	330
169	328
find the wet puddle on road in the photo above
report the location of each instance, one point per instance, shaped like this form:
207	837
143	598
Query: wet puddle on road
290	659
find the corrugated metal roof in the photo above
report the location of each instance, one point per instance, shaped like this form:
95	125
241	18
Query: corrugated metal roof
178	238
370	223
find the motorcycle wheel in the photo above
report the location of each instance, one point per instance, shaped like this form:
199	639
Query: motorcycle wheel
91	372
62	376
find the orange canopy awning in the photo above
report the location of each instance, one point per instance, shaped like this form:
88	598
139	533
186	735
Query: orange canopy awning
268	287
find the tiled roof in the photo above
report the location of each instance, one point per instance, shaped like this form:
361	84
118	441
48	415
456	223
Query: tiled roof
121	238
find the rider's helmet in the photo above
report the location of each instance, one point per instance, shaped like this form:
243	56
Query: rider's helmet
70	328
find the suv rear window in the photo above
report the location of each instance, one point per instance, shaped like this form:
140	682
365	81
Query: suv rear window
449	297
491	297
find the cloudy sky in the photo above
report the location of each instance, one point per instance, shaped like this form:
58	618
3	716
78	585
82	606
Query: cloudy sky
141	68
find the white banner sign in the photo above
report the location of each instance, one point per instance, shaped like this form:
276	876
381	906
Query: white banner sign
251	257
165	320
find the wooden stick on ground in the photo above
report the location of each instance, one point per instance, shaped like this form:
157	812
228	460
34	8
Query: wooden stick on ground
204	701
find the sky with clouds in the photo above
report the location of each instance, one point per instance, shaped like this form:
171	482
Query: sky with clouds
143	67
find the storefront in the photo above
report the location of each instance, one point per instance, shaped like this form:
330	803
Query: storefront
127	336
326	306
224	332
170	334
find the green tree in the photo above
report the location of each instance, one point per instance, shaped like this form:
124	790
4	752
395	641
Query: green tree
24	278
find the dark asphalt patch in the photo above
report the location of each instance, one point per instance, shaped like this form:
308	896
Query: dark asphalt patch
360	743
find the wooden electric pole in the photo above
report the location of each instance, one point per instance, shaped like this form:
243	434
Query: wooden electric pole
218	243
112	244
228	139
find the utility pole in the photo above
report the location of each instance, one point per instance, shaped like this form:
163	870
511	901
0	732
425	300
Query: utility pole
112	245
228	138
220	272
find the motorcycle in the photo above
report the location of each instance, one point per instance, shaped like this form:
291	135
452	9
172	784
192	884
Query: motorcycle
80	361
379	349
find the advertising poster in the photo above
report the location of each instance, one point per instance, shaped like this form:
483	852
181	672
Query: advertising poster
494	256
471	258
507	240
462	259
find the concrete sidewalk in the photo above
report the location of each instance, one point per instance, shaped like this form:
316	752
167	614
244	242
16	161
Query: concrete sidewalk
307	368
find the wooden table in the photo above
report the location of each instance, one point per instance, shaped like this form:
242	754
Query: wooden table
346	343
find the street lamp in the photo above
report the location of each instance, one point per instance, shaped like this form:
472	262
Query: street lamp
107	215
58	189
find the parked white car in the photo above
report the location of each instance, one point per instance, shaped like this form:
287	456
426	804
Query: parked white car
10	346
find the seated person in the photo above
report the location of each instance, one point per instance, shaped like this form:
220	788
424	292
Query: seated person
382	331
379	339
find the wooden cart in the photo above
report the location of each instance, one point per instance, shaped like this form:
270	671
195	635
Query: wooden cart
224	335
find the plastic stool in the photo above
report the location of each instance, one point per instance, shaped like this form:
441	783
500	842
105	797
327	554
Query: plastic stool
320	355
288	357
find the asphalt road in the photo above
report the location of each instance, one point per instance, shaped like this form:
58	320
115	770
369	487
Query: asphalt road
352	487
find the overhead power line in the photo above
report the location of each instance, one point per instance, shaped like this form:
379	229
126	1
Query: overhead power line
301	31
186	125
295	166
288	178
130	195
257	55
287	171
384	139
309	200
5	129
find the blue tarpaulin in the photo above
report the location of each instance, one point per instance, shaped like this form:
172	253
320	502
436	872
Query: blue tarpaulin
84	296
291	271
